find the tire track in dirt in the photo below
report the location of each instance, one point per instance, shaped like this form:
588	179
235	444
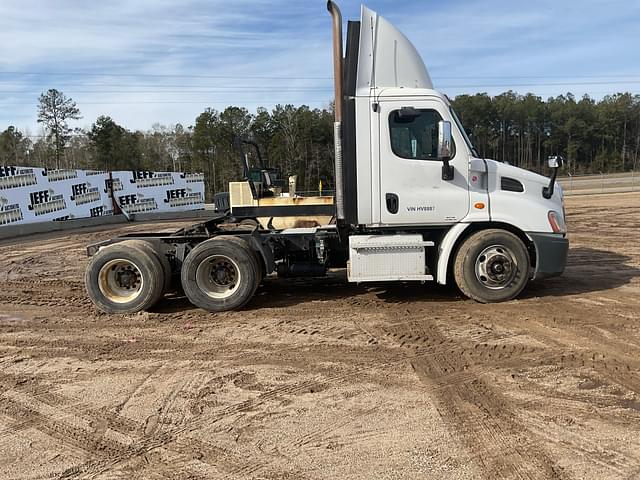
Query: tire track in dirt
455	372
332	435
90	440
46	293
139	386
616	362
449	377
65	428
172	411
168	405
37	390
308	329
322	433
545	346
482	417
224	459
485	421
163	439
609	459
168	464
485	353
158	439
84	347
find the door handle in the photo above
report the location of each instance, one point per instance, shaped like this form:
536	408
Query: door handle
392	202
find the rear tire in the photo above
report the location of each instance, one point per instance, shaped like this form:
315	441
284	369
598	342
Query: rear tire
492	266
247	246
220	274
124	278
162	258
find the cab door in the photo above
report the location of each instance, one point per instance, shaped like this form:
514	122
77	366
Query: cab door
412	189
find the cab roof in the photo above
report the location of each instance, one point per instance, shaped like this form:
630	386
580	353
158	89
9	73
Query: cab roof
395	92
386	57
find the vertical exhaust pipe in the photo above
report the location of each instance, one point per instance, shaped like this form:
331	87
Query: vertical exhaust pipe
337	125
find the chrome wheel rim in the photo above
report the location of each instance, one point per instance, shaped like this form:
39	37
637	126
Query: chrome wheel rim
496	267
120	281
218	276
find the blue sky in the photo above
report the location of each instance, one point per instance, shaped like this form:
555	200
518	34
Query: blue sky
148	61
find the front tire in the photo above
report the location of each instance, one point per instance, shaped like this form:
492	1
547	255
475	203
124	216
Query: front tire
492	266
220	274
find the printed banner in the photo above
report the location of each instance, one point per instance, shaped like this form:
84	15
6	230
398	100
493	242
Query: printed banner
29	195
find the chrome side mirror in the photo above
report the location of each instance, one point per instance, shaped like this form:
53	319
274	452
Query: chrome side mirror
445	149
444	140
555	161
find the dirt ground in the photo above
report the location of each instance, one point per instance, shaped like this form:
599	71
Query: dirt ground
318	379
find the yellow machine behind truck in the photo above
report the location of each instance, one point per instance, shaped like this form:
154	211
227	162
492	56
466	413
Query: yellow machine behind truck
260	200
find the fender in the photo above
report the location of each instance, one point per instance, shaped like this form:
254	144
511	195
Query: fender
445	249
534	242
264	252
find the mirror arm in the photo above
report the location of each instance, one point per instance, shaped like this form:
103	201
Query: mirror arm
547	192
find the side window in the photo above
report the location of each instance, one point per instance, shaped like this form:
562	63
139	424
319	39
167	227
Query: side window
415	136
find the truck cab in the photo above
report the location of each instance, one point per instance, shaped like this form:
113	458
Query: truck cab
409	167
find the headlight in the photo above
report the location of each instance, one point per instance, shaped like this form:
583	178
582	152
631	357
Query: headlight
557	222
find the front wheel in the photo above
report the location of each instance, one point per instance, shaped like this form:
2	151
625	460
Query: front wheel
492	266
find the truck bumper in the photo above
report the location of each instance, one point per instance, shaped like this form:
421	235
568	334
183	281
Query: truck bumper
551	254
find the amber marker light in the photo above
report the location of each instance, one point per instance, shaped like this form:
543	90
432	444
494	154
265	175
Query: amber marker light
479	205
556	222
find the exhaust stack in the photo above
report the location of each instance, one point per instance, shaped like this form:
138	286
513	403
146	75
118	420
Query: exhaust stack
337	125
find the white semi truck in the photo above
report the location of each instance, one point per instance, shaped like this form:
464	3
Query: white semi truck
413	202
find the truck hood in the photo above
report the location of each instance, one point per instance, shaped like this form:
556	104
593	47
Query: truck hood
518	173
533	182
526	209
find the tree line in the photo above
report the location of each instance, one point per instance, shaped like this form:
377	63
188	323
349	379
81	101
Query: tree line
521	129
592	136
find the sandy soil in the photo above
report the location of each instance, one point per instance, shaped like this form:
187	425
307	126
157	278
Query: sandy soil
324	380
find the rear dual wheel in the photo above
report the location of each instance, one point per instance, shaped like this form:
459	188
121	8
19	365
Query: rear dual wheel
127	277
221	274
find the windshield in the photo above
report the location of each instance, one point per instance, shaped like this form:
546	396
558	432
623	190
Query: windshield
464	134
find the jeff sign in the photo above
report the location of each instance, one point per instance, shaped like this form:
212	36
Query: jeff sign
29	195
